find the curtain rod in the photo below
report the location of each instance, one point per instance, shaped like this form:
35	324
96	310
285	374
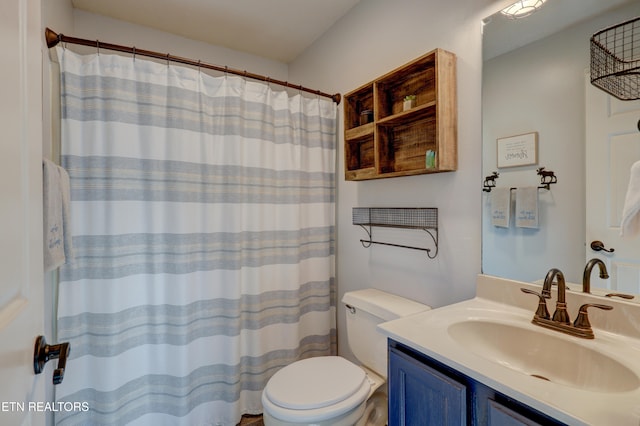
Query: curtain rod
53	39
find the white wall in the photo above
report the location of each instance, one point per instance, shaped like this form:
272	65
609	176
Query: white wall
92	26
58	15
375	37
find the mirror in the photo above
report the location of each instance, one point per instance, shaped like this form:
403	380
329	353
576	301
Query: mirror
534	75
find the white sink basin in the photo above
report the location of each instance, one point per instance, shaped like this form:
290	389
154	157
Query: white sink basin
558	359
491	339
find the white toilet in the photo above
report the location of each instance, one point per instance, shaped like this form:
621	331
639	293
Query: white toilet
331	390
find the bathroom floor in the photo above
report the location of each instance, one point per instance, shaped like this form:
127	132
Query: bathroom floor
249	420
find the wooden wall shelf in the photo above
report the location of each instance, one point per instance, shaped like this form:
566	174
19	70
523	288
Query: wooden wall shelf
395	142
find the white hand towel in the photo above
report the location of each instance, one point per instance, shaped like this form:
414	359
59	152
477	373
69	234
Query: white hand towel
500	207
65	192
527	207
630	225
57	237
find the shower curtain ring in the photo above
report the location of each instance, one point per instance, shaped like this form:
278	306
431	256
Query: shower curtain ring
98	46
168	59
199	70
134	53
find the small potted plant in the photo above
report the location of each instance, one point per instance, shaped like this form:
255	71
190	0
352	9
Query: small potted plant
409	102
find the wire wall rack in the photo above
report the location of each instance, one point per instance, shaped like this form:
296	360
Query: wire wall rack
615	60
423	218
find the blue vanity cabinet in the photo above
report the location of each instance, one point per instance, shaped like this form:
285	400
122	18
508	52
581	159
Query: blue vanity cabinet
501	415
420	395
424	392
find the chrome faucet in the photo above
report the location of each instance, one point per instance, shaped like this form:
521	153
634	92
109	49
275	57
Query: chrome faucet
560	320
586	276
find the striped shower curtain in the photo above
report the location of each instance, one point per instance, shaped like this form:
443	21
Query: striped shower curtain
203	227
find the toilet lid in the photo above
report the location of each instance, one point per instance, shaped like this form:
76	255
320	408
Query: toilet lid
315	383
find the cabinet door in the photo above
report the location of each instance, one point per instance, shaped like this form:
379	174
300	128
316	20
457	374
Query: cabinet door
420	395
499	415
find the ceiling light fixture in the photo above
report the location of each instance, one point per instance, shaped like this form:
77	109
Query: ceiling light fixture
522	8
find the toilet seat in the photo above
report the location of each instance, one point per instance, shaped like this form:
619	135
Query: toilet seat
315	389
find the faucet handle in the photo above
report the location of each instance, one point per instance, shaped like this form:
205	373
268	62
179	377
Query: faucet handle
620	295
582	320
542	310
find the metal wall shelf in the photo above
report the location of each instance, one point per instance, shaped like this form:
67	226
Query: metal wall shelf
424	218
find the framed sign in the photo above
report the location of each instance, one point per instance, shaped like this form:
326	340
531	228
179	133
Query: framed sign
520	150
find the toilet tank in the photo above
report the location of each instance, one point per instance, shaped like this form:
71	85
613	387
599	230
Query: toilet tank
365	310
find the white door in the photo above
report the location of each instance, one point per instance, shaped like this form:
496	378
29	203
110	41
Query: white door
21	279
613	145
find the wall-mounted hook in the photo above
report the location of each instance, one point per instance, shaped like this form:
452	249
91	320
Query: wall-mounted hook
43	352
490	181
369	231
547	177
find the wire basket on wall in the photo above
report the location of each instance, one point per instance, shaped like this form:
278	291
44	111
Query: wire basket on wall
615	60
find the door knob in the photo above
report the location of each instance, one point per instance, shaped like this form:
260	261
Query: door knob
44	352
599	246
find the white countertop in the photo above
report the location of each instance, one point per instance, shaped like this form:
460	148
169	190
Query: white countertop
617	336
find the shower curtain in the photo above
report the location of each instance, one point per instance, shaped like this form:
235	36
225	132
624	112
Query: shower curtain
203	225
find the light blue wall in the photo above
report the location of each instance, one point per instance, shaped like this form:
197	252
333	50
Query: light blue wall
375	37
541	87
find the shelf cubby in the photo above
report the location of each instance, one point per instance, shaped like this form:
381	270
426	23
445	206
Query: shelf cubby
399	139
